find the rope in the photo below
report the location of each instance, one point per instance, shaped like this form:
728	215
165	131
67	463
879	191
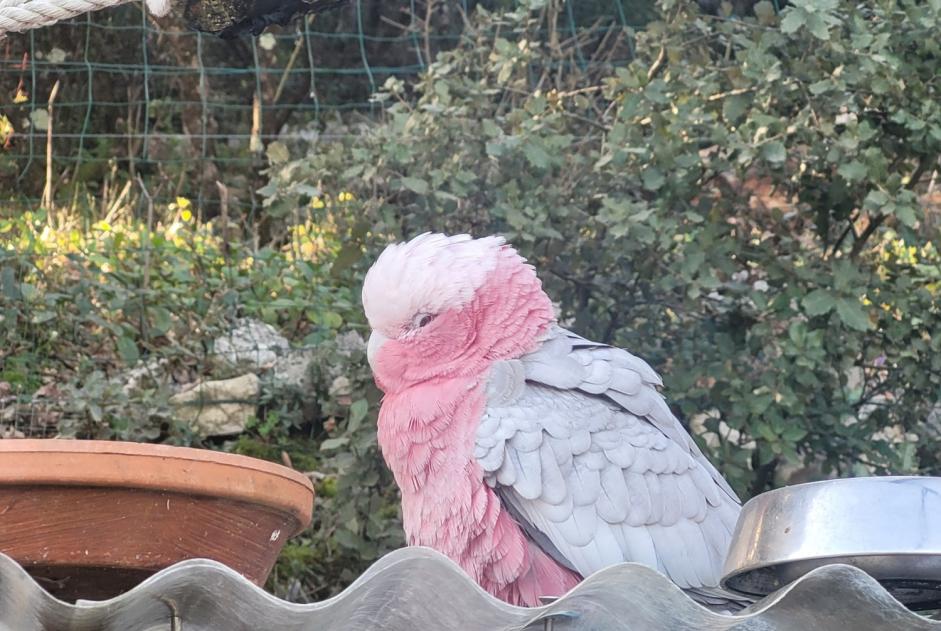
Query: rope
24	15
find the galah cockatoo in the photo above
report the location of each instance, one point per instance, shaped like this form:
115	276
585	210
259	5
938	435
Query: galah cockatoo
530	456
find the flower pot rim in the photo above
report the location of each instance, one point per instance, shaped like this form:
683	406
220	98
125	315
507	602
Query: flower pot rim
160	468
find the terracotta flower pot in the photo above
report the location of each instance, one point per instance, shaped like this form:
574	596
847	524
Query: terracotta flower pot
91	519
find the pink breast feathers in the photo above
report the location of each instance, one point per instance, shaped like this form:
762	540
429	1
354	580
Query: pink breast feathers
427	437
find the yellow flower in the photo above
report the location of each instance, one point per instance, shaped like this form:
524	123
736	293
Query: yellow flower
183	203
317	203
186	215
6	128
21	96
345	196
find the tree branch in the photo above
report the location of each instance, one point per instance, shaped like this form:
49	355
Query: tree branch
878	221
658	65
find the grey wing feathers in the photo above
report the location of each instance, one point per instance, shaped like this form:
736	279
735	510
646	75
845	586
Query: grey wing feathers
586	455
617	375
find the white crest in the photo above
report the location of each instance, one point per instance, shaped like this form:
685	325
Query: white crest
427	275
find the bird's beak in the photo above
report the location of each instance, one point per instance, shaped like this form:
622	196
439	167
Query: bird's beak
376	340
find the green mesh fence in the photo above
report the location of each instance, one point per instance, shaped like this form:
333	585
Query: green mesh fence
155	103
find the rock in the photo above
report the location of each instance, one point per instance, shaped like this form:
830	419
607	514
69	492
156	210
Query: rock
251	343
144	375
349	343
11	432
340	387
219	408
290	369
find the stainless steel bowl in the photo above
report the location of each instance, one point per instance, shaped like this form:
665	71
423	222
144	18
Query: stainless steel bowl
890	527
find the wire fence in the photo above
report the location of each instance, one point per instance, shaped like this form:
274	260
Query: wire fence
116	101
155	102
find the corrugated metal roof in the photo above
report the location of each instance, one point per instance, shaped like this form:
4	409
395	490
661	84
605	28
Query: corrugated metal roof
416	589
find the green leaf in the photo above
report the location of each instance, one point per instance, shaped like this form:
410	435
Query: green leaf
416	185
127	349
763	430
268	190
347	539
536	155
774	151
43	316
278	153
653	179
764	11
793	433
333	443
283	303
793	20
348	255
818	26
161	320
40	119
820	87
332	319
818	302
358	411
797	331
853	171
906	215
11	288
852	314
734	107
875	200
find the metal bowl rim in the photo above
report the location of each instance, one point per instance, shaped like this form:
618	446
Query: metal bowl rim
764	566
866	479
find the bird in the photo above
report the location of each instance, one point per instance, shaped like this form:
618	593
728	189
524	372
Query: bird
530	456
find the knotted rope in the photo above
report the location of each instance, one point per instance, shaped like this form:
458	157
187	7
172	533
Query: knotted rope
23	15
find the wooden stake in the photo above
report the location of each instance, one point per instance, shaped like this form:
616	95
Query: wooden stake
47	190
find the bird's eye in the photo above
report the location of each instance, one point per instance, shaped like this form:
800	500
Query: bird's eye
423	319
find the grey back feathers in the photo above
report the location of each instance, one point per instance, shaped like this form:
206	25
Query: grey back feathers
588	458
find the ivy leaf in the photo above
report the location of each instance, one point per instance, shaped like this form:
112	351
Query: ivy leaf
358	411
818	302
40	119
853	171
906	215
416	185
127	349
852	314
161	320
277	151
793	433
348	255
818	27
734	107
774	152
793	20
764	431
764	11
536	155
653	179
333	443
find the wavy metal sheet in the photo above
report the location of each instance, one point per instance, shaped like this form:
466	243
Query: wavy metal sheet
416	589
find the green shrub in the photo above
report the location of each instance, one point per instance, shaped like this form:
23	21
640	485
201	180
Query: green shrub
742	205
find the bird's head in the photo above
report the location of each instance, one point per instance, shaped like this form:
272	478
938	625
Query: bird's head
447	306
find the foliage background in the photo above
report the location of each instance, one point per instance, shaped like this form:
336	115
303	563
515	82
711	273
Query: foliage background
746	199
